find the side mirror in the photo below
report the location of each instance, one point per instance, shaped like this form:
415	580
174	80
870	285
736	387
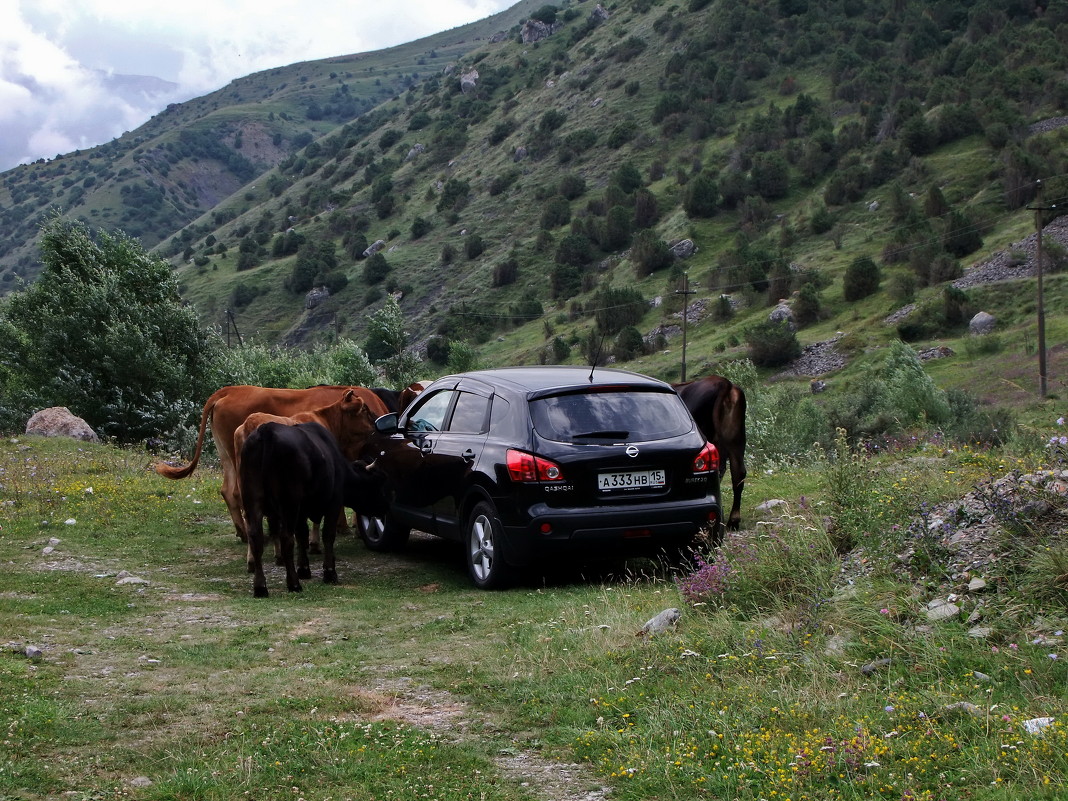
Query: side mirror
387	424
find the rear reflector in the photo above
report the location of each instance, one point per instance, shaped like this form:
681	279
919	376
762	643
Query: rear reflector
636	533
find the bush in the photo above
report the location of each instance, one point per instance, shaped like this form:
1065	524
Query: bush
473	246
628	344
375	269
104	332
861	279
650	253
420	227
772	343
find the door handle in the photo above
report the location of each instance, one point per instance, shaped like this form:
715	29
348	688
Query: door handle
468	455
426	447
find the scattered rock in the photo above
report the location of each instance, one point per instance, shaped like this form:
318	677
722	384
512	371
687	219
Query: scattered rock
940	610
661	623
1036	725
980	676
871	667
976	585
32	652
817	386
980	632
768	505
58	421
940	352
130	580
141	781
964	707
375	246
316	296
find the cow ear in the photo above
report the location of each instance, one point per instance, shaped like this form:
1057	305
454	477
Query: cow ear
349	396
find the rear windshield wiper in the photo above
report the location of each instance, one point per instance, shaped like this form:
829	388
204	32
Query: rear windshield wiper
601	435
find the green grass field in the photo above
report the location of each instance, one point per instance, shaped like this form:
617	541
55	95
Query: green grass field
793	673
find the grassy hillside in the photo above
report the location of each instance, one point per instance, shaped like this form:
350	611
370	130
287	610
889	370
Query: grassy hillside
786	141
154	180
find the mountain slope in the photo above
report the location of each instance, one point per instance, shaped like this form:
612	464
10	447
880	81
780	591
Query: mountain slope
153	181
786	139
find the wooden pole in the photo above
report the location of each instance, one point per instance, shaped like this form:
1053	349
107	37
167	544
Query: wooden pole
1038	209
685	292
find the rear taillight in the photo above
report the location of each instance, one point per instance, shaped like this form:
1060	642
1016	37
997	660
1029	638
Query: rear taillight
526	467
707	460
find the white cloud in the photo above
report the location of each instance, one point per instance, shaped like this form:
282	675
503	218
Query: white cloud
53	98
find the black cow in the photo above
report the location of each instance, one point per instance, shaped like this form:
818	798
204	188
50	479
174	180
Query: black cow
291	474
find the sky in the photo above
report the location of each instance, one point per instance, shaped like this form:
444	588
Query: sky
62	62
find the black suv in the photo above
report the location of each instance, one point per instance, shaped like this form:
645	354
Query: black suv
527	464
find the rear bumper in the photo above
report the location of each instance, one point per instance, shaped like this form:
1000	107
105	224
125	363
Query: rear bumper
612	531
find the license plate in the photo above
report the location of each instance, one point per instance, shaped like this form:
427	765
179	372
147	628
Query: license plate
632	479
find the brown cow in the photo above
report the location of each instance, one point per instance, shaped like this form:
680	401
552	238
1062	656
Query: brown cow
718	408
227	409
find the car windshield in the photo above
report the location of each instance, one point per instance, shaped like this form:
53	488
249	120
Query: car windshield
631	416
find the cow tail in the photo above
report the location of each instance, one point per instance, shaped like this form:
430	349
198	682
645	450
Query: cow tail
174	471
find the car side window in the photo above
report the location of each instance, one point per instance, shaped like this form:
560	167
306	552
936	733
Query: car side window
430	416
469	417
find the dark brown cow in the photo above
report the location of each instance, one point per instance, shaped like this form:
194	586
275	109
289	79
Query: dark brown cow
293	473
718	407
398	401
227	409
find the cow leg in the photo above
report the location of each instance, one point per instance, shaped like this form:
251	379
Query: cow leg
734	521
330	526
231	492
255	556
285	543
303	565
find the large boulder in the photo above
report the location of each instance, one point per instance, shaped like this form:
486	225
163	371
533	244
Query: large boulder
58	421
375	246
684	249
783	313
982	323
535	30
469	82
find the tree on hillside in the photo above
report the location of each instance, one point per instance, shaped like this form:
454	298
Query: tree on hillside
105	333
387	345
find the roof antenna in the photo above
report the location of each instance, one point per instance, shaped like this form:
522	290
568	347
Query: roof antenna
596	357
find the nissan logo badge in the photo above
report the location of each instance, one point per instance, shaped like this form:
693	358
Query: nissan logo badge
632	451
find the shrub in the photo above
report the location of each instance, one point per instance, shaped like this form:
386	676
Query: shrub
861	279
772	343
650	253
702	196
628	344
557	212
473	246
375	269
420	227
616	309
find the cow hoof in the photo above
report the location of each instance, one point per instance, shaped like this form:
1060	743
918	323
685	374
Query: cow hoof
304	572
329	577
296	588
259	592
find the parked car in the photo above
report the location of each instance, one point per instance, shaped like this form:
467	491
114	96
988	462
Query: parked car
529	464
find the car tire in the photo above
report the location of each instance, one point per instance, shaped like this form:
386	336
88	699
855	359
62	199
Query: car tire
484	547
382	534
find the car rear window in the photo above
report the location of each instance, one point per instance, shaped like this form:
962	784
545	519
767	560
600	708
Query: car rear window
616	416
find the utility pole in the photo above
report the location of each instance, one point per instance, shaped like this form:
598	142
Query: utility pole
231	322
685	292
1041	310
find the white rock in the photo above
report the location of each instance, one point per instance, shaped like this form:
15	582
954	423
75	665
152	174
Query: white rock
1036	725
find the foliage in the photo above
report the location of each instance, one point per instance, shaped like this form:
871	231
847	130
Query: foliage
616	309
772	343
105	333
387	345
861	279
